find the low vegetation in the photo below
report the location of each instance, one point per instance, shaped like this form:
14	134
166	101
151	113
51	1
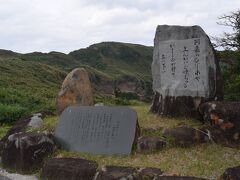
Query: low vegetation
206	160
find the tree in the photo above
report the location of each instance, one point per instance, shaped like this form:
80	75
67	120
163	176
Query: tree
230	40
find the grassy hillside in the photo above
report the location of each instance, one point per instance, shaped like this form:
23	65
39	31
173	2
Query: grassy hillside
30	82
26	87
117	59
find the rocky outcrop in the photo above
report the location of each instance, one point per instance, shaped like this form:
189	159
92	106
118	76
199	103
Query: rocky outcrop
185	71
33	121
150	144
76	90
25	152
224	118
232	173
102	85
68	168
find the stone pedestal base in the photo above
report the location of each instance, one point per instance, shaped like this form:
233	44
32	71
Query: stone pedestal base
182	106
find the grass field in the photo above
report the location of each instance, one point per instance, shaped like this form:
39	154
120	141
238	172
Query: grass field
206	160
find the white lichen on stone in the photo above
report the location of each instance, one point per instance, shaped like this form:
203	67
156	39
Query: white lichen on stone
36	122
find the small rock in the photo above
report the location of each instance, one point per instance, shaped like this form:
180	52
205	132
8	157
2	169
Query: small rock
186	136
36	122
99	104
68	168
25	152
21	124
76	90
116	173
150	144
231	174
149	173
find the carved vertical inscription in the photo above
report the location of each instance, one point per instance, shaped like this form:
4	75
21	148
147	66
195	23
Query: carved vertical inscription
183	68
185	62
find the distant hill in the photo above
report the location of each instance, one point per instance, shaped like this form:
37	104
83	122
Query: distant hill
30	82
119	72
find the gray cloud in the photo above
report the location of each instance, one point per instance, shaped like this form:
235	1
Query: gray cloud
60	25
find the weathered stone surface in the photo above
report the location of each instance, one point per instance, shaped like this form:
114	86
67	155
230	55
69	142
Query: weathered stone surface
225	119
98	130
36	121
25	152
185	71
21	124
178	178
68	168
149	173
150	144
186	136
231	174
117	172
76	90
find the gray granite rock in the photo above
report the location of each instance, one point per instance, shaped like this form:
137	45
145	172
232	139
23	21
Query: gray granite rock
185	71
36	122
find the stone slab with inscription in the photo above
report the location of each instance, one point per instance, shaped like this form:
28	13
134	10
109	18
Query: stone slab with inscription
185	70
97	130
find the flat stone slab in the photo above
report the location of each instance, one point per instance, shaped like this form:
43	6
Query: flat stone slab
97	130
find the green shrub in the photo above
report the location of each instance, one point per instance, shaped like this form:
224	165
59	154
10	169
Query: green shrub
232	82
10	113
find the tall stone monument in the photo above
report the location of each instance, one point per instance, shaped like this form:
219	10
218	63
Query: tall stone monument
76	90
185	71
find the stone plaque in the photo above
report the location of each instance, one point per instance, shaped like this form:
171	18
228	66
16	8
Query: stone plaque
97	130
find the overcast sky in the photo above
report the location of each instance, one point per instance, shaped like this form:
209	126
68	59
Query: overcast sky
67	25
